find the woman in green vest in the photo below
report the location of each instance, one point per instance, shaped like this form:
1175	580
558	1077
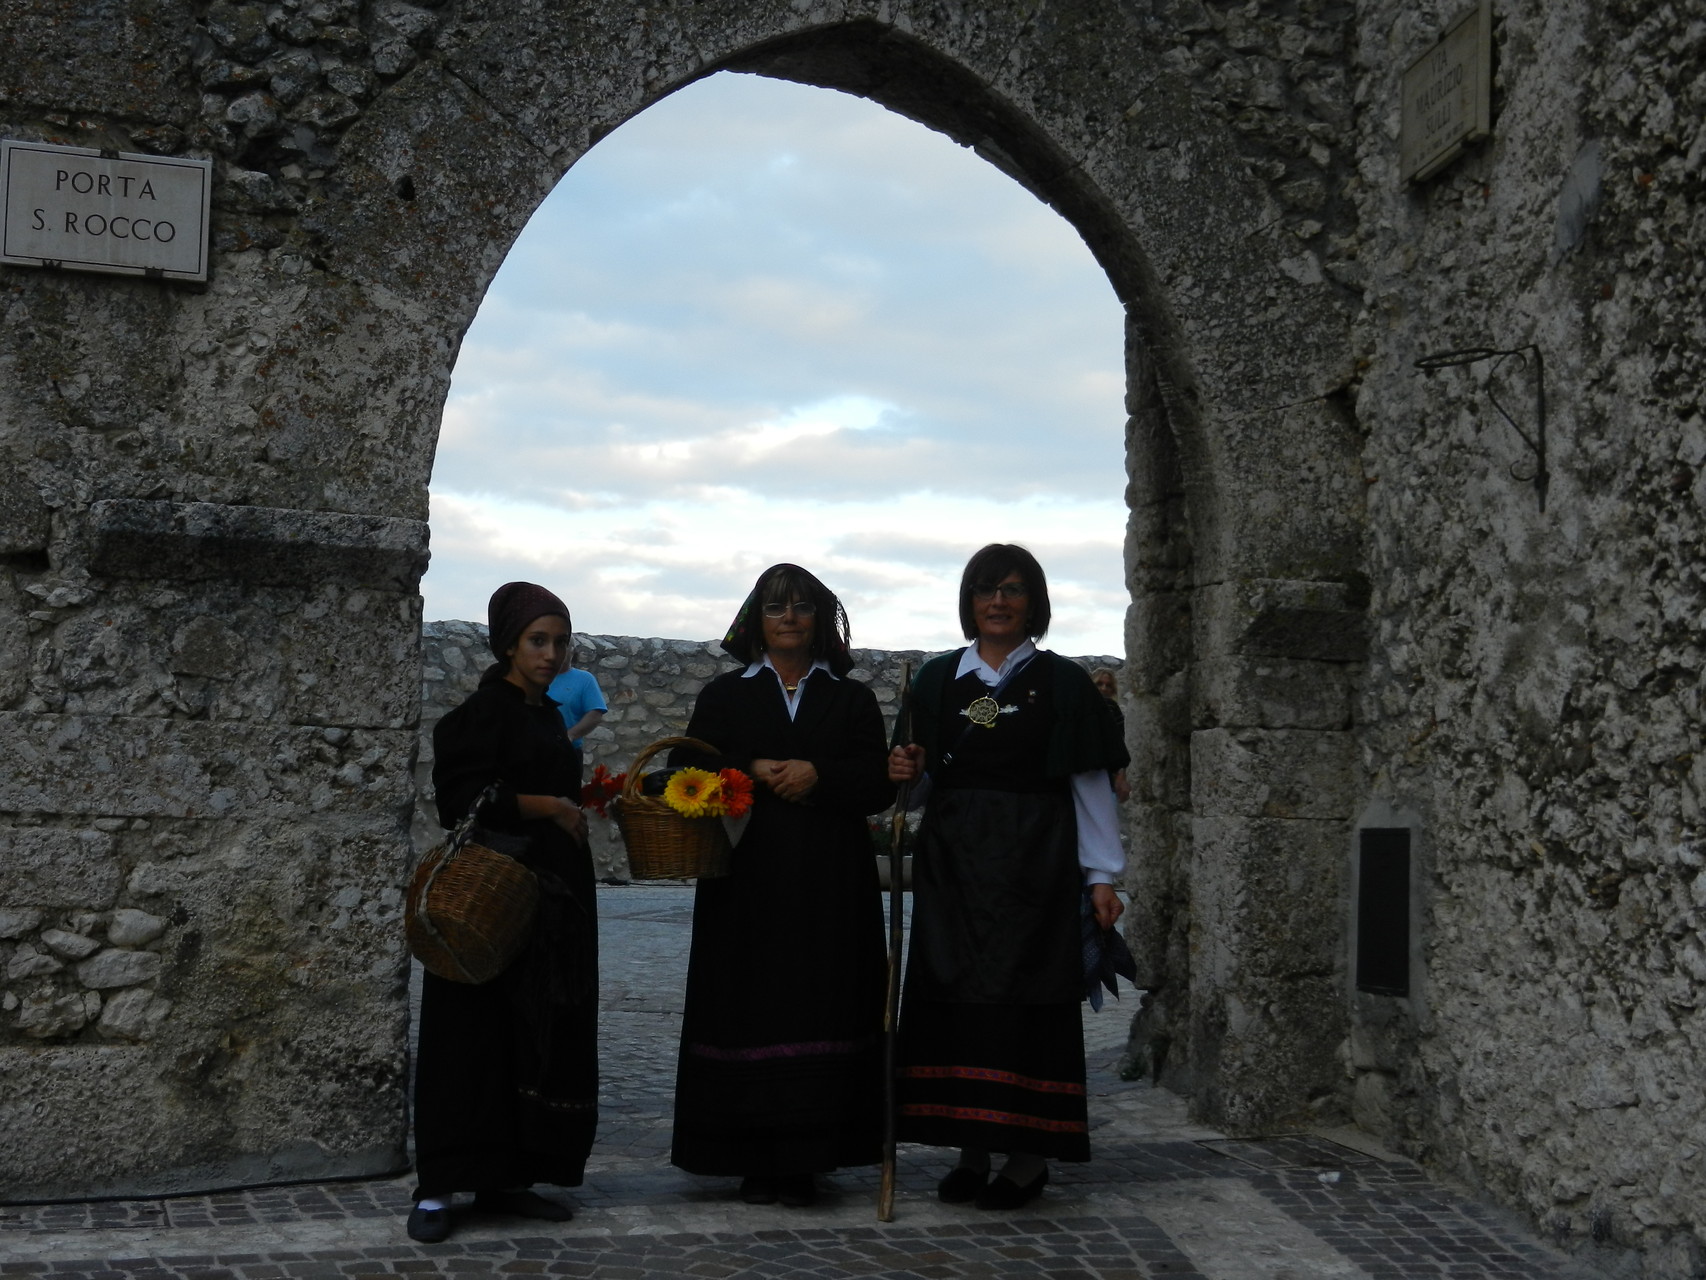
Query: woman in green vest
1011	751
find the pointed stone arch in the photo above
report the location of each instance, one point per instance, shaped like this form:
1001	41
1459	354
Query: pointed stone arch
354	266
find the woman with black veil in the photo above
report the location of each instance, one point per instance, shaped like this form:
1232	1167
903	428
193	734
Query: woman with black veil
780	1069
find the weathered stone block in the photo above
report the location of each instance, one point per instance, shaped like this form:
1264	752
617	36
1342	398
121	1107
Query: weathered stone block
46	1094
117	967
1160	770
1158	632
24	517
141	767
1279	618
458	153
199	540
57	868
1372	1104
64	52
133	1014
1272	900
15	922
50	1017
206	646
1274	693
327	688
1287	773
69	946
132	928
29	962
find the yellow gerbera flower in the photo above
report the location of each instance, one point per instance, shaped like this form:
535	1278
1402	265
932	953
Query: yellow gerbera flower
694	793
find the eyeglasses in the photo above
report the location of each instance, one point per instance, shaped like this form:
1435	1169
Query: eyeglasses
800	609
1006	590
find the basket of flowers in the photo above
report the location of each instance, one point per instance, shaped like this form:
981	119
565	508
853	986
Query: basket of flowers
678	834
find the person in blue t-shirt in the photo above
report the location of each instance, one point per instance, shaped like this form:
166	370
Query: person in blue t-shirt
581	705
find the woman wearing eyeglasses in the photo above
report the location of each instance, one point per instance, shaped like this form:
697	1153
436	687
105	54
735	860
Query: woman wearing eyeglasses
780	1069
1011	748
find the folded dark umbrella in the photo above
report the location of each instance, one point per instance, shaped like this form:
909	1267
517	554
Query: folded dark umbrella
1106	957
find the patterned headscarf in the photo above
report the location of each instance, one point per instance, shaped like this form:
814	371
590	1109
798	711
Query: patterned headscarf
511	608
745	639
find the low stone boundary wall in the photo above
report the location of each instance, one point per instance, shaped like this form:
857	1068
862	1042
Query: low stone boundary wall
650	686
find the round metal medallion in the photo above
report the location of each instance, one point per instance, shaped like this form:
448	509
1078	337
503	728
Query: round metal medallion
983	712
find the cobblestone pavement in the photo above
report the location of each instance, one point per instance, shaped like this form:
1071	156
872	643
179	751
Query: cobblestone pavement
1163	1197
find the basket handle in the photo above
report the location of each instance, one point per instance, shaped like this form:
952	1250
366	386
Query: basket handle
453	846
631	783
465	828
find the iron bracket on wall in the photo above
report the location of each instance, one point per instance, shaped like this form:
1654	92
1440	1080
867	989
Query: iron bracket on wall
1541	478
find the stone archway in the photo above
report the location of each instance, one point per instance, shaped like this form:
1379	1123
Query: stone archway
236	480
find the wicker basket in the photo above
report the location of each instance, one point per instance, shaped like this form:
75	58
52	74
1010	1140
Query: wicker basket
663	844
470	909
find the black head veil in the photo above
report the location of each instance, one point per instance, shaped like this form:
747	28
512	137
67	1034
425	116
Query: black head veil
745	639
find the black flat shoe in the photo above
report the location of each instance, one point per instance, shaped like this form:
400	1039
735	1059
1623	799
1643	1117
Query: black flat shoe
796	1190
962	1186
755	1189
522	1204
1003	1193
429	1226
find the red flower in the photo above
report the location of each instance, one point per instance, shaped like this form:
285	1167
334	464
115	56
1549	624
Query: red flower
601	790
737	792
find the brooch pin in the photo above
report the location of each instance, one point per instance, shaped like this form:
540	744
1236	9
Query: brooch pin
984	711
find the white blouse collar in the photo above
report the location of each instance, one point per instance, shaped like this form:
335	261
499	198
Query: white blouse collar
753	668
971	660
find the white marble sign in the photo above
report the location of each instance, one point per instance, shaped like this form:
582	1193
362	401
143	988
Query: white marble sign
1447	96
104	210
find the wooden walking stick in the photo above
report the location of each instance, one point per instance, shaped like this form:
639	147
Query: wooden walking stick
891	1007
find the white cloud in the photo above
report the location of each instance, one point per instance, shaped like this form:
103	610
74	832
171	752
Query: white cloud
661	569
764	322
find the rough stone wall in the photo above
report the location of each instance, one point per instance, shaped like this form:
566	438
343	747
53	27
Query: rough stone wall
1245	633
175	461
1533	702
210	539
202	812
650	686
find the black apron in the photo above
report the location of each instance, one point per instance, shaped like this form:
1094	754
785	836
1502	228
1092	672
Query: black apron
996	867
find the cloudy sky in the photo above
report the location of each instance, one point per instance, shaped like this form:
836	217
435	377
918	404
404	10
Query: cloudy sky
764	322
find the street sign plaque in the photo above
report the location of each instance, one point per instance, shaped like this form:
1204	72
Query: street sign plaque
89	210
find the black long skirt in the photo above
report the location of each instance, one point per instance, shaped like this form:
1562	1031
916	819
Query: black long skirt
780	1069
506	1072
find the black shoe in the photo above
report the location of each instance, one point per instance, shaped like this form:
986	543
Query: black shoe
962	1186
429	1226
522	1204
796	1190
1003	1193
755	1189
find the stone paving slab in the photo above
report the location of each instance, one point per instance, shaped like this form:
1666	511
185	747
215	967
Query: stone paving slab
1163	1198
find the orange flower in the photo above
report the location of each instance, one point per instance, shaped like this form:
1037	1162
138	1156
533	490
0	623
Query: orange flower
737	792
